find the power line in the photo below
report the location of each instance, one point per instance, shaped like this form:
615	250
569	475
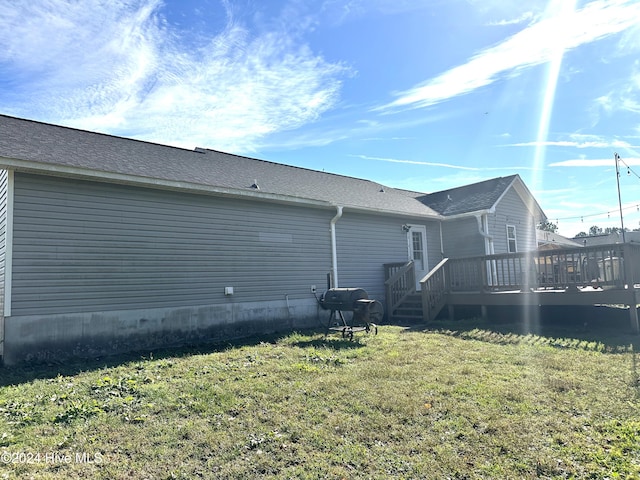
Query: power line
608	212
629	169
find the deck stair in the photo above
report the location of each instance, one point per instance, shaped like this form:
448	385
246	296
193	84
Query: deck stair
410	309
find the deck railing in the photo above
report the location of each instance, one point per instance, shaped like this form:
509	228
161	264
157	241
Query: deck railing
608	266
435	288
400	282
611	266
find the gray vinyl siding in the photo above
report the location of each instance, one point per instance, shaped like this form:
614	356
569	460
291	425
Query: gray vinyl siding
434	244
511	210
366	242
85	246
461	238
4	188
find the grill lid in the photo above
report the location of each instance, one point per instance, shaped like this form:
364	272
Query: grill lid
342	298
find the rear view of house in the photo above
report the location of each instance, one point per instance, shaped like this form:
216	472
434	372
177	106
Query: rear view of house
109	244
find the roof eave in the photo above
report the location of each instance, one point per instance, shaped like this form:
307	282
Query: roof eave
474	213
381	211
27	166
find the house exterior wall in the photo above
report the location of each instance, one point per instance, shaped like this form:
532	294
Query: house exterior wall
103	268
366	242
461	238
511	210
143	267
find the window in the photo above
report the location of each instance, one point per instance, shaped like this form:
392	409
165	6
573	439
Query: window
511	239
418	249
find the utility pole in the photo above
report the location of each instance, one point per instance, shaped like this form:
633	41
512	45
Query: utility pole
616	157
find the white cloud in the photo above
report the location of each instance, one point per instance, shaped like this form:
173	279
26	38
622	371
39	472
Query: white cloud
67	46
341	11
526	17
117	67
501	9
437	164
597	162
626	97
415	162
534	45
575	144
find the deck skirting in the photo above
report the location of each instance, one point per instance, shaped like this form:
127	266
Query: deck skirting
546	297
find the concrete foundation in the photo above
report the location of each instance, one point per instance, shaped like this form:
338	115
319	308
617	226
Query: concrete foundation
29	339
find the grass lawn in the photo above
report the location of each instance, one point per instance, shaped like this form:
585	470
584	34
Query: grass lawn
455	400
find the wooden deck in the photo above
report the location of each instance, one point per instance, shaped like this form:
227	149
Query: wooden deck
599	275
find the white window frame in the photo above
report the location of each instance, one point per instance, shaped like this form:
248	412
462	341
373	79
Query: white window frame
513	239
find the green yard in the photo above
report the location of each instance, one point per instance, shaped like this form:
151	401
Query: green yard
458	400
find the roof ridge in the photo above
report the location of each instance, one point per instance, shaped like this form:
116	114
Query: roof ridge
313	170
475	183
194	150
110	135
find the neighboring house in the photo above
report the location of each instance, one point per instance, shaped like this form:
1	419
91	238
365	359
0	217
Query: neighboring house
110	244
608	239
552	241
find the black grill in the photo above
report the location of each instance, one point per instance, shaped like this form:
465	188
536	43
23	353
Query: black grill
365	312
343	299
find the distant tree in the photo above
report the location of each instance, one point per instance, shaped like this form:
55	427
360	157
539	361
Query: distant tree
581	234
595	230
548	227
609	230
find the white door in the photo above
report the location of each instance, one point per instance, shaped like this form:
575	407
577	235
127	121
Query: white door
417	244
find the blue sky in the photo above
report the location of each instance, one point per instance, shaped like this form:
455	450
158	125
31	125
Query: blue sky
423	95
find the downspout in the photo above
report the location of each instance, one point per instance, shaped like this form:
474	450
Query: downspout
483	229
441	242
334	248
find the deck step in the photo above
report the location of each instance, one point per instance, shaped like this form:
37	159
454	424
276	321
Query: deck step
410	310
407	319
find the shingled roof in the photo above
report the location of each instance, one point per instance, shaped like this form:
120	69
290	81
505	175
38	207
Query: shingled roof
37	147
469	198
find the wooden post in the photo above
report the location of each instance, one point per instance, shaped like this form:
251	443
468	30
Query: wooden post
483	312
389	301
424	297
451	312
633	317
629	260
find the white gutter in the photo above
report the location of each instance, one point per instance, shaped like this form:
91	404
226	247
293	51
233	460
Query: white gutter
475	213
483	229
334	249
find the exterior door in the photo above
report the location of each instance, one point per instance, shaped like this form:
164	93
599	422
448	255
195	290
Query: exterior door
417	245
